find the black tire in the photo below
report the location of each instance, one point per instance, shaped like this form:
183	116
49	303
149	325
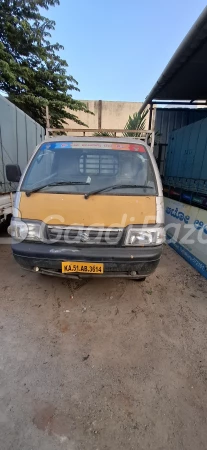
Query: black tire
4	225
139	279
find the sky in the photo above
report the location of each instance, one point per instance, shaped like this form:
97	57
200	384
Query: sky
117	49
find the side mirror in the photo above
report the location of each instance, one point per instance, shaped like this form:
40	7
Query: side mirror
13	173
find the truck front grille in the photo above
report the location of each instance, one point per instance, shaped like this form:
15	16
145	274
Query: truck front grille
84	235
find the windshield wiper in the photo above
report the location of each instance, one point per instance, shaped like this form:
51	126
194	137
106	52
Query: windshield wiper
56	183
116	186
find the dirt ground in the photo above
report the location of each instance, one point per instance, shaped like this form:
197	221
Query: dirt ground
103	364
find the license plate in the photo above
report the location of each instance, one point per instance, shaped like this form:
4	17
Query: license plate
82	267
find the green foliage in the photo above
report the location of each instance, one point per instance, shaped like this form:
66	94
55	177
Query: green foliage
103	134
136	122
32	73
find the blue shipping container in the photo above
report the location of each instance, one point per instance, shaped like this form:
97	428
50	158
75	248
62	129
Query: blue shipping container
186	163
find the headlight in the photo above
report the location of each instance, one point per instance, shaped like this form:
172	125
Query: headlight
145	236
25	230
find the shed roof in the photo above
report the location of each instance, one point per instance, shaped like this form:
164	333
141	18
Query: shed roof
185	76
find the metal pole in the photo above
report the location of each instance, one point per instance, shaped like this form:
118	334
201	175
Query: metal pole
153	141
159	156
2	160
47	121
183	103
150	116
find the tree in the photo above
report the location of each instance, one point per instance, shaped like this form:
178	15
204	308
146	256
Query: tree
32	73
136	122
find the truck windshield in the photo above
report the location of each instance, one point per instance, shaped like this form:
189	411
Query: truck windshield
82	167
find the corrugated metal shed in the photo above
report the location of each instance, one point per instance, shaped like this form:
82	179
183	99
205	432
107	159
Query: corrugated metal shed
186	163
168	120
19	135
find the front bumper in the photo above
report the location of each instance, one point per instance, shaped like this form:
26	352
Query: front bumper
118	261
